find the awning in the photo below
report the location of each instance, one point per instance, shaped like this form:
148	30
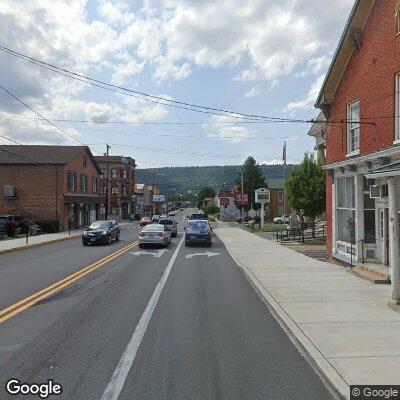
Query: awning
387	171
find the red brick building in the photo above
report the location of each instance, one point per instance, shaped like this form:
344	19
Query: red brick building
360	98
54	182
119	171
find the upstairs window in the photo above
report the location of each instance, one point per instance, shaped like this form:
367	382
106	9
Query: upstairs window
84	181
280	195
124	173
84	161
114	173
397	11
95	185
353	131
71	180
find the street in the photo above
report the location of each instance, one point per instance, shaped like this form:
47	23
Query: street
209	337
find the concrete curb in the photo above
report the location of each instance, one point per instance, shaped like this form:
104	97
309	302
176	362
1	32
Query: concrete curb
328	374
30	246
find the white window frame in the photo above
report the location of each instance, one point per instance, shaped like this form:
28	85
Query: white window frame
280	196
340	244
397	110
351	151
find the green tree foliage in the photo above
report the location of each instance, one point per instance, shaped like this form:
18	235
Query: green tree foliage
306	187
204	192
180	180
211	209
253	179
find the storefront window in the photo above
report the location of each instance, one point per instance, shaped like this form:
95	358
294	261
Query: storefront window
345	210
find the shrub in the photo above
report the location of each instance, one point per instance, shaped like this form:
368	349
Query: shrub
11	228
49	225
210	209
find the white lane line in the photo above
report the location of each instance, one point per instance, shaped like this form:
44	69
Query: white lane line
117	381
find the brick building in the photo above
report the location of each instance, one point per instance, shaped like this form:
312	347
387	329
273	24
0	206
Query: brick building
54	182
119	171
360	98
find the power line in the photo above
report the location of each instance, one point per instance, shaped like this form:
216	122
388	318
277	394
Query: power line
124	132
145	96
161	100
147	122
183	152
41	116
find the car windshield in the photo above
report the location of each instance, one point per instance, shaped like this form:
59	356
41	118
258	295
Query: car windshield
153	228
99	225
198	225
147	218
166	222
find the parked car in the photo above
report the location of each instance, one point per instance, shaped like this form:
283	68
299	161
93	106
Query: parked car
101	232
145	221
163	216
155	218
155	234
171	224
284	219
198	215
172	213
198	231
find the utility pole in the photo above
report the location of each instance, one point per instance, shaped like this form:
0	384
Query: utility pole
241	174
285	177
107	181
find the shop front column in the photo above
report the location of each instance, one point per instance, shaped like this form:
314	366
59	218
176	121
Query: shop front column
394	238
359	214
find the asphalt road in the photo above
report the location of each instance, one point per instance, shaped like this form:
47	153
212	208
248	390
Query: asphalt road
185	326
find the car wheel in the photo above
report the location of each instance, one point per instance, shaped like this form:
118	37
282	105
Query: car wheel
109	240
117	238
186	244
85	244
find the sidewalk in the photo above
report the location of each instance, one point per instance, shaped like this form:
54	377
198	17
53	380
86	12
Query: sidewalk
40	240
341	323
20	243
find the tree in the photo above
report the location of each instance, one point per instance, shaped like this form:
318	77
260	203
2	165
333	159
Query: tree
210	209
204	192
306	187
253	179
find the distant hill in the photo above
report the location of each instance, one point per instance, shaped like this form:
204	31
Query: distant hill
191	178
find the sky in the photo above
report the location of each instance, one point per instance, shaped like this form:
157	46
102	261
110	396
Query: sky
259	57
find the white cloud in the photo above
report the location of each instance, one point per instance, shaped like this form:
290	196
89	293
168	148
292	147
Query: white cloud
229	132
308	100
253	92
274	84
124	71
272	162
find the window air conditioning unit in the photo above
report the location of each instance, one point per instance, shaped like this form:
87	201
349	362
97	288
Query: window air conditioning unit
375	192
8	191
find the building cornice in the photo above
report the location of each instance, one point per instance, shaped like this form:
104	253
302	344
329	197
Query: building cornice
385	154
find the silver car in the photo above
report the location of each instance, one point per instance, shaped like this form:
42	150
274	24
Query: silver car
155	234
171	224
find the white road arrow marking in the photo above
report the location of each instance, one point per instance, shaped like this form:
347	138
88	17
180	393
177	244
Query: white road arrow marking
156	254
206	253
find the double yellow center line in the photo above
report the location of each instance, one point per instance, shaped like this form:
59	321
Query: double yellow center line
24	304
